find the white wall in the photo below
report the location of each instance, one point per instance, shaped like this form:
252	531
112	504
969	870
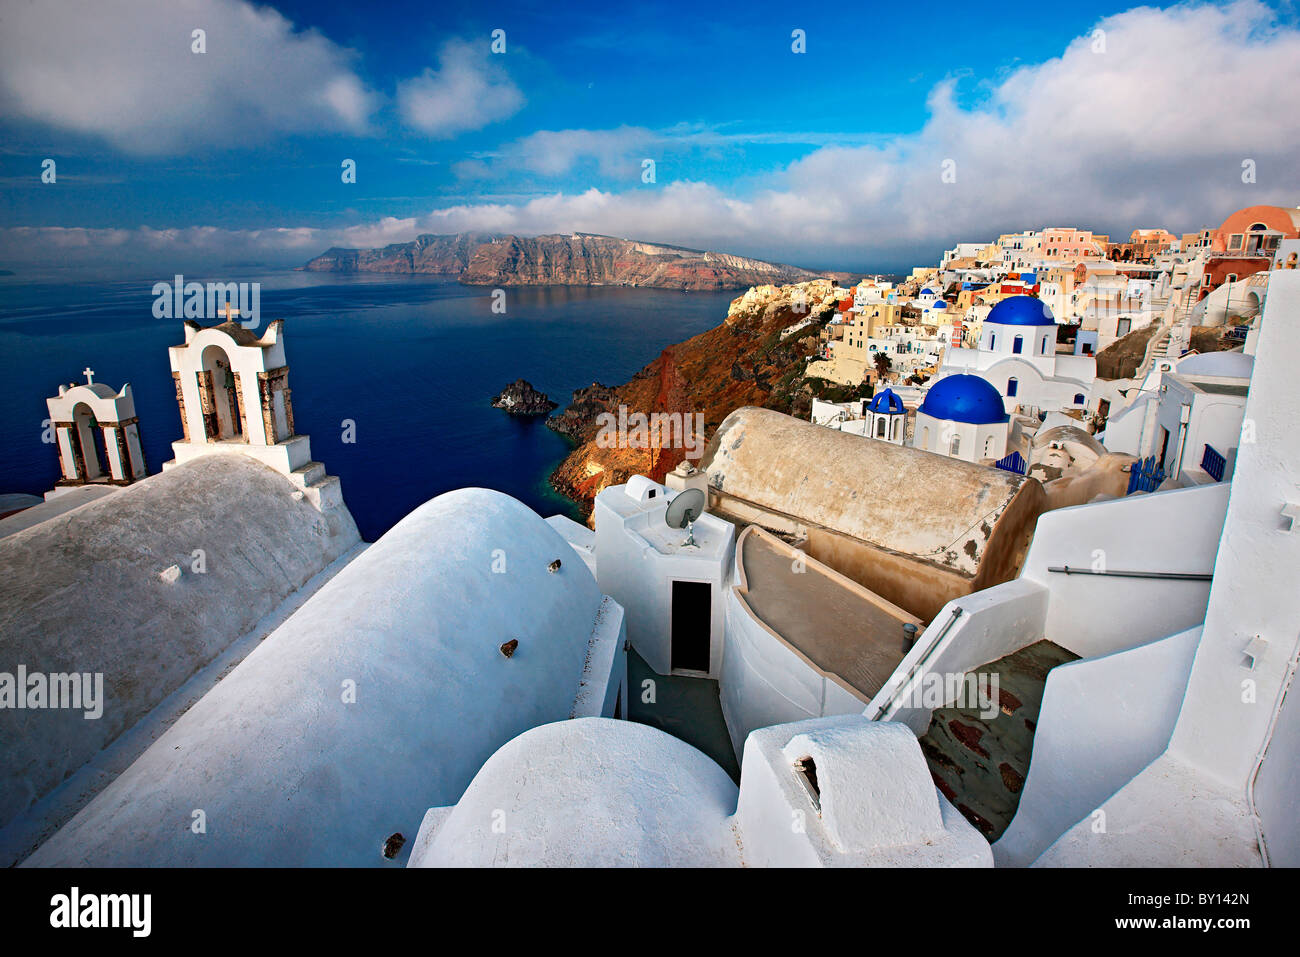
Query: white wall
1278	783
636	574
765	682
1101	722
1173	531
1221	730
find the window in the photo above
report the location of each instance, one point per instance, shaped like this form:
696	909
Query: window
955	445
1012	385
1078	398
1018	345
1235	241
992	341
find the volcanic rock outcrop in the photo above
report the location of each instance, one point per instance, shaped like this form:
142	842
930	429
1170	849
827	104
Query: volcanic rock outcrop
520	398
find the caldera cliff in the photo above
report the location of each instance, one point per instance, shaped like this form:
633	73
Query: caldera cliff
576	259
756	356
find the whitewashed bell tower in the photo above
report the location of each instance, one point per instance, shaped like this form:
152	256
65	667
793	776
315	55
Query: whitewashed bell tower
98	434
232	388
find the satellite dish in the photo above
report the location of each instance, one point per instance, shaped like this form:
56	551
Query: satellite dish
685	508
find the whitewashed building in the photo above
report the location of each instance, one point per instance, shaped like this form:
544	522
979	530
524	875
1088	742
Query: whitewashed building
1017	356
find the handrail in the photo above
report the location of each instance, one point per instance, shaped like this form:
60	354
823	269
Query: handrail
925	655
1176	576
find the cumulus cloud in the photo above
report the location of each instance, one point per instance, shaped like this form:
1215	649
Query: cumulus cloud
1152	131
1147	122
467	92
127	73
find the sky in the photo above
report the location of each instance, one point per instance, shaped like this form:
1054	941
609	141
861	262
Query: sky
844	136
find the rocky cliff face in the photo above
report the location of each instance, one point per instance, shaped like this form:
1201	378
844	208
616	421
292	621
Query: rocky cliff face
429	254
756	356
577	259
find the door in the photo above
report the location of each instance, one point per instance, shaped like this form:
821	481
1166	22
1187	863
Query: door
691	607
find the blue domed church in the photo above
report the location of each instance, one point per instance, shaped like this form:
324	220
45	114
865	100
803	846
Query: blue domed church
887	418
963	417
1017	356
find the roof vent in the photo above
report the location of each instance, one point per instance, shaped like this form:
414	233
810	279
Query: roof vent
806	771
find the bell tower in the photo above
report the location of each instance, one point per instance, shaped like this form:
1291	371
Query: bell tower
98	434
232	390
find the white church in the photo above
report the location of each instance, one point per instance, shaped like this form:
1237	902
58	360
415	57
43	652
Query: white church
1017	355
456	693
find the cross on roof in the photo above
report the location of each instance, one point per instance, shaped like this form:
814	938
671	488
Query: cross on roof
89	373
229	316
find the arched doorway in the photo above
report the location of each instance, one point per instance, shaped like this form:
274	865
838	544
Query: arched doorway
88	444
223	407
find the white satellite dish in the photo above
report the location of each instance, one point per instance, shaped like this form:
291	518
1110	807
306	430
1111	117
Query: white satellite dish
683	510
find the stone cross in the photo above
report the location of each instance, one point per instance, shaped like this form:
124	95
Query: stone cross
229	316
89	373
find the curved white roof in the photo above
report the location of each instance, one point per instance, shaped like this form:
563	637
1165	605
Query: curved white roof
83	591
290	773
594	792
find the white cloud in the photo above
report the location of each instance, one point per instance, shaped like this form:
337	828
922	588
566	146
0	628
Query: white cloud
126	72
1151	132
467	92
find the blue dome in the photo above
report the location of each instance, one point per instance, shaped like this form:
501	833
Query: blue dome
1021	311
927	292
939	304
964	398
886	403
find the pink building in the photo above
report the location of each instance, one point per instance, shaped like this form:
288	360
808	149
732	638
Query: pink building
1061	242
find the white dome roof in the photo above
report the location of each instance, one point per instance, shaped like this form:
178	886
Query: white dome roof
593	792
296	775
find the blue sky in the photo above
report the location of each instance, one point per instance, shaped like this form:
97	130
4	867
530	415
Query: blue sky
830	157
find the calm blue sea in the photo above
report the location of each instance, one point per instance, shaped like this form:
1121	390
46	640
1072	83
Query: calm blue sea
414	361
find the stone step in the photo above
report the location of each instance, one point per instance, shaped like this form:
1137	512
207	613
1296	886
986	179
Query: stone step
307	475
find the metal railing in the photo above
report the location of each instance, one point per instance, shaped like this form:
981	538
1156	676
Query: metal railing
1115	573
920	663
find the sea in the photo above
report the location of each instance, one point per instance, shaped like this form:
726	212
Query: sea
411	362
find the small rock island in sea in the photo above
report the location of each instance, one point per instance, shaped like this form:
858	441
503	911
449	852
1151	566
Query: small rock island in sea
520	398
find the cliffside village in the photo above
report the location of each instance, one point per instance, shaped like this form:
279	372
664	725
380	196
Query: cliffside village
1050	352
1038	611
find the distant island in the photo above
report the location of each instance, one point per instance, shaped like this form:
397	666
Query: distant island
574	259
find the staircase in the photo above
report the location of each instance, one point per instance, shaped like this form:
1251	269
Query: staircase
980	763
